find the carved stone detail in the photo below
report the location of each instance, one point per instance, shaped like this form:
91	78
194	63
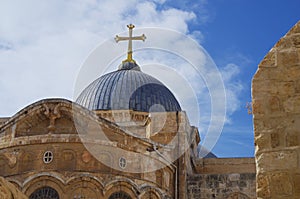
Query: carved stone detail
12	158
52	113
86	157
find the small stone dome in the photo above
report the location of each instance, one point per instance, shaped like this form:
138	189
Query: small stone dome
128	88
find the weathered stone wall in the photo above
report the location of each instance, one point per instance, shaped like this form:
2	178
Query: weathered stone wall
222	186
276	112
46	127
222	178
9	191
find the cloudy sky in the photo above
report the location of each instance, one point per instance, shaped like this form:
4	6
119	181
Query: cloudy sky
43	45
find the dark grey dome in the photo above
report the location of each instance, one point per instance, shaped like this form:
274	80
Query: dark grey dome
128	89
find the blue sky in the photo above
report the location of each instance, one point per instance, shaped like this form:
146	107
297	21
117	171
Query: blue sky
243	32
43	44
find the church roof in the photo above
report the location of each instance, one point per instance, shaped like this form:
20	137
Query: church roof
128	89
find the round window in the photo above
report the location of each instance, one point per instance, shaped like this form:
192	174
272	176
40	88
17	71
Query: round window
122	162
48	157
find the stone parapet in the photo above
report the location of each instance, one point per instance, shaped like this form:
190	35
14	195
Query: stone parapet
224	165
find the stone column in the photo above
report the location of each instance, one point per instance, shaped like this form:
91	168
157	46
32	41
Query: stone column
276	114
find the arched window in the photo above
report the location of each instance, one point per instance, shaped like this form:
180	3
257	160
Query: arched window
44	193
119	195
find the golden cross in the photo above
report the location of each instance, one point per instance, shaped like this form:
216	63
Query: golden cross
130	38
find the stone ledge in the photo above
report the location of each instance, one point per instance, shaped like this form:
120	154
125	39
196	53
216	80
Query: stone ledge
224	165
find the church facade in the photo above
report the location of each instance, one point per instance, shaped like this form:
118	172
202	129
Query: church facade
124	137
42	153
44	157
115	144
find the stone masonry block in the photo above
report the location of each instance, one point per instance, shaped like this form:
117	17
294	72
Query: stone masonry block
297	86
292	139
234	177
295	30
291	73
281	184
275	141
291	41
258	126
258	106
284	43
263	141
263	186
277	160
273	74
269	60
289	57
296	181
285	88
266	86
295	40
292	104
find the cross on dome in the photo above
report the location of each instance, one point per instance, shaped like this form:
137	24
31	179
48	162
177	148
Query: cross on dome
130	38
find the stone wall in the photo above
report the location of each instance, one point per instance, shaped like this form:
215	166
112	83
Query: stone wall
222	178
276	113
222	186
39	149
9	191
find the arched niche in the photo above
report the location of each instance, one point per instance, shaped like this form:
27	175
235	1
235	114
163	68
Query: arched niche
27	162
68	160
84	187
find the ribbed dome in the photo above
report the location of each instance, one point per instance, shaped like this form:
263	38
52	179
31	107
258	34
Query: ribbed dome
128	89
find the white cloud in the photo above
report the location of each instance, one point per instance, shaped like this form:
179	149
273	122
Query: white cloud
233	88
43	44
